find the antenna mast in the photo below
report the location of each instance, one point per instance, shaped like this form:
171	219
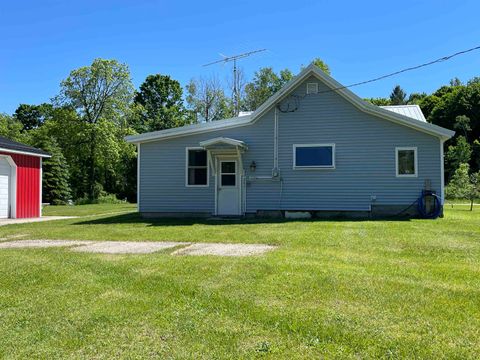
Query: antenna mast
236	80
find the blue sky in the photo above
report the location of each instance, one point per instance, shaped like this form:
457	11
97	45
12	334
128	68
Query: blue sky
42	41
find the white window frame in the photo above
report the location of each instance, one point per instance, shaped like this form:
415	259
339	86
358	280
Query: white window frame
316	88
186	168
323	167
415	157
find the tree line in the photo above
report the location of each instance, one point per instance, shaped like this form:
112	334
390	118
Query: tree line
84	125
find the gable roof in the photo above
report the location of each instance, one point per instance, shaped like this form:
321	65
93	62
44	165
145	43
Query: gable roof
412	111
311	70
15	147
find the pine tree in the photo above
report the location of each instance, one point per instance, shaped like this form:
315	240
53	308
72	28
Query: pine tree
56	175
56	188
398	96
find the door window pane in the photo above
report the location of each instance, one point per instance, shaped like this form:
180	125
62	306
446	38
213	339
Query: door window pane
228	167
228	180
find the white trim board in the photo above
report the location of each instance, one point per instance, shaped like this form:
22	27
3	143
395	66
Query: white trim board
138	177
311	70
41	187
12	186
23	153
442	173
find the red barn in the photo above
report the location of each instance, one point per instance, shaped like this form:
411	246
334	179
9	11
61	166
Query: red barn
20	180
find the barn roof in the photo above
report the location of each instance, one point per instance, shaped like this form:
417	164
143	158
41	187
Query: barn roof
15	147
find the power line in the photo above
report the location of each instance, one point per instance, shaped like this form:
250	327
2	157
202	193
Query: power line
297	98
439	60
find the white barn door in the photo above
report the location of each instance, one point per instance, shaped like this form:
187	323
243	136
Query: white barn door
5	178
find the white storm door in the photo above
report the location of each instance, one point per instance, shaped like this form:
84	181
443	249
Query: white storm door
5	174
228	199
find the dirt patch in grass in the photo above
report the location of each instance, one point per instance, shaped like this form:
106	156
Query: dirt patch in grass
127	247
224	249
145	247
40	243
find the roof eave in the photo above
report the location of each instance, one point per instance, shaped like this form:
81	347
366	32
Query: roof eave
187	130
24	152
273	100
367	107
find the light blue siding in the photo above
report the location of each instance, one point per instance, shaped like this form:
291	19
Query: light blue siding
365	161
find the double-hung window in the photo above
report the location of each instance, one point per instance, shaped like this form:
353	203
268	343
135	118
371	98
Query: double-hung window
197	167
406	163
314	156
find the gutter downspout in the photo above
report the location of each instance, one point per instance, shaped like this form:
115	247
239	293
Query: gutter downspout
138	177
275	142
442	173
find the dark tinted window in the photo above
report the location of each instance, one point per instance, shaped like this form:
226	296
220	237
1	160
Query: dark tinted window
406	162
228	167
197	158
197	167
314	156
228	180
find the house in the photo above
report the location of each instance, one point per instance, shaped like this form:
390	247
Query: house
313	146
20	180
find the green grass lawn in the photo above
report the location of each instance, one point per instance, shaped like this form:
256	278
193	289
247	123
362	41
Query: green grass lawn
333	289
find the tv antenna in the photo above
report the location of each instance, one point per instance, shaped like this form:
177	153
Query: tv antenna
236	80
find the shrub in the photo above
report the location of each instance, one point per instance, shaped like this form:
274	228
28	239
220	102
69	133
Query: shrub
103	198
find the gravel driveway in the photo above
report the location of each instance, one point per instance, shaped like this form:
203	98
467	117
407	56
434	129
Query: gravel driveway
143	247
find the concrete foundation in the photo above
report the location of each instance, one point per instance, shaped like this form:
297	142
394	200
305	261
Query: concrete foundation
377	211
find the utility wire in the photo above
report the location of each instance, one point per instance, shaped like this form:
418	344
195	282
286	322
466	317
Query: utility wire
439	60
442	59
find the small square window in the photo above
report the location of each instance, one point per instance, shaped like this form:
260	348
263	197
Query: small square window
406	162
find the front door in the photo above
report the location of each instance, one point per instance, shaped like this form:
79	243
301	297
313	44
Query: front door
228	196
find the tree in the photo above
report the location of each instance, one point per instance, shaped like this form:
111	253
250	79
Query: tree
101	94
10	127
459	185
427	104
55	171
464	186
475	193
462	123
398	96
322	65
32	116
476	154
416	98
207	101
458	154
379	101
456	82
161	99
264	84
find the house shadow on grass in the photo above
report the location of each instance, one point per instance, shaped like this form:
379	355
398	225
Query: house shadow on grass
136	218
